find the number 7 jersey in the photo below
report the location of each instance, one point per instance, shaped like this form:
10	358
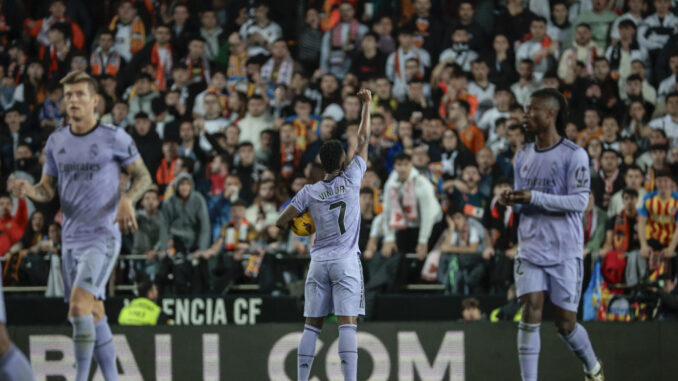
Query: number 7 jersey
335	208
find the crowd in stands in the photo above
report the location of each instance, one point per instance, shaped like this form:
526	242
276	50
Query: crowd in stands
229	103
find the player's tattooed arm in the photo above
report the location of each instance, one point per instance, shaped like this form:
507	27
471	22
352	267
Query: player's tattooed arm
41	192
140	178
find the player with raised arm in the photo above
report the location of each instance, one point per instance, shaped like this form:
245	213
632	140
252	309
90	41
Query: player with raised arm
335	276
83	162
552	183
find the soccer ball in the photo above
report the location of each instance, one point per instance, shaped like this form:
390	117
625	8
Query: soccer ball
303	225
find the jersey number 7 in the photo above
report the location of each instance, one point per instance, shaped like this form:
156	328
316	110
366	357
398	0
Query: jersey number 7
342	213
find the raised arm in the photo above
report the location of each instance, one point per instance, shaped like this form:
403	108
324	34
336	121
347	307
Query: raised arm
40	192
365	128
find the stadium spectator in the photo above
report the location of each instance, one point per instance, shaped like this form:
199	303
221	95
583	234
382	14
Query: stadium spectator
410	210
216	39
461	267
147	237
256	120
501	236
226	253
593	219
186	216
600	19
540	48
341	42
657	224
460	120
669	123
465	192
143	310
513	21
470	310
310	41
527	83
621	235
129	33
583	50
460	52
39	29
655	30
608	180
633	179
396	62
634	13
145	136
264	207
13	225
259	31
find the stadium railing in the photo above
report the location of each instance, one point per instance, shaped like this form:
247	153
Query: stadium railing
114	288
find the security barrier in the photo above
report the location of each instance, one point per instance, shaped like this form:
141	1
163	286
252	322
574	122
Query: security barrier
388	351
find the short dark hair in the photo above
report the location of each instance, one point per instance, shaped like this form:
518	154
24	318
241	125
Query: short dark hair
238	203
633	167
662	173
454	208
539	19
659	147
634	77
245	144
402	157
465	105
585	25
144	287
331	155
470	302
626	23
671	95
630	192
609	150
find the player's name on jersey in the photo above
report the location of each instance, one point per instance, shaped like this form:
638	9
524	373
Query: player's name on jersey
339	189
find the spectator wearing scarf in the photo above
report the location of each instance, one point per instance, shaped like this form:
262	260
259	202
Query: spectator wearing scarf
280	67
340	42
626	50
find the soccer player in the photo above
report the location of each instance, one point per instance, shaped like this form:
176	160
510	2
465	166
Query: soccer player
552	183
335	275
13	364
83	162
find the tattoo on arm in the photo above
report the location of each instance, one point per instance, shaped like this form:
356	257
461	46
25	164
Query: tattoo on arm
140	178
44	190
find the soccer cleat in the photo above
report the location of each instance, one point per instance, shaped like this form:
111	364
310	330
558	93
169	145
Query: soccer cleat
600	376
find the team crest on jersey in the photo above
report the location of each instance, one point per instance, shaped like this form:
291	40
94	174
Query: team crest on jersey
93	151
581	176
554	168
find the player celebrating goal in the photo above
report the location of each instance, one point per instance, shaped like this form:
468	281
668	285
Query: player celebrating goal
83	160
553	184
335	277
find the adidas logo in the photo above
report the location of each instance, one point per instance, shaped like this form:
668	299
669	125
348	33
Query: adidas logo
343	362
88	280
303	366
62	150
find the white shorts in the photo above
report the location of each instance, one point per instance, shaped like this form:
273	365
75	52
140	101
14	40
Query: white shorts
562	282
335	286
88	265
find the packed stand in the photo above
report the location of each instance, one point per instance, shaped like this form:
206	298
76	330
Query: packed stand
230	102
